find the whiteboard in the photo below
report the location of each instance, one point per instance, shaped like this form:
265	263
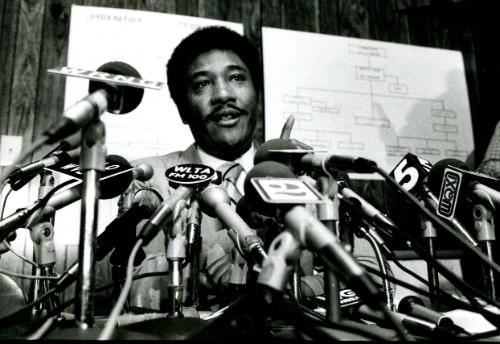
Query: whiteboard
367	98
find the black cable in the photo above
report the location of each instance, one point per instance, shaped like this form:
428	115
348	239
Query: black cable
444	297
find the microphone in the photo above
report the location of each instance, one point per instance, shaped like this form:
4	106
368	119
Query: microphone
414	306
120	233
22	175
104	96
310	232
301	159
371	212
412	324
215	202
421	178
451	178
187	179
110	188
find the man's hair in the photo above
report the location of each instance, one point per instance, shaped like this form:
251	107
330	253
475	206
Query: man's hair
201	41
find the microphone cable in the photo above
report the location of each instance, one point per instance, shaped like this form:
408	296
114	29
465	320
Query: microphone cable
115	313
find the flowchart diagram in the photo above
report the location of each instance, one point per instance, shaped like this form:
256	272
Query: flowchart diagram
367	98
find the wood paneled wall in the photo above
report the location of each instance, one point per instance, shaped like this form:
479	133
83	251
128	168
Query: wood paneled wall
34	37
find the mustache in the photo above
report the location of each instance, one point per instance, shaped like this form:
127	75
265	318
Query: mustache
222	110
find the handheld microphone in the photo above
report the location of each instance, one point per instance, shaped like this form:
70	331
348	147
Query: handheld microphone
119	234
300	159
310	232
373	213
412	324
188	179
110	188
104	96
215	202
20	176
414	306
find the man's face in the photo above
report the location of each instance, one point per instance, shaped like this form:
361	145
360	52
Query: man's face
221	103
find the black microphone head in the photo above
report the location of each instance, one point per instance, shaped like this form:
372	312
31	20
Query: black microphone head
115	186
126	98
436	173
265	151
270	169
405	303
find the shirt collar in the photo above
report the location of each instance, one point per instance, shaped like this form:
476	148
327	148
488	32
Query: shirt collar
245	160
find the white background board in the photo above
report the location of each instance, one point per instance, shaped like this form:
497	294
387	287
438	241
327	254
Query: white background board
367	98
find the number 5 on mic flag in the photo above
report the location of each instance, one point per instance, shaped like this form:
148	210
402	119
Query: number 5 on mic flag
411	171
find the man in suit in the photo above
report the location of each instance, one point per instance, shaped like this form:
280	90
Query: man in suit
214	78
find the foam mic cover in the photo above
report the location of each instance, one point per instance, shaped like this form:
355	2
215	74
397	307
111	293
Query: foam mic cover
116	185
125	98
265	151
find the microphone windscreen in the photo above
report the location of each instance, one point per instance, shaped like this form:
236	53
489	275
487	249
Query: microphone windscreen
270	169
265	151
144	172
436	173
127	98
149	198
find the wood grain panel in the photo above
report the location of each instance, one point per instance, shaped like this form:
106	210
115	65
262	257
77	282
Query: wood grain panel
7	54
354	19
21	115
272	13
187	7
301	15
386	22
329	17
54	52
107	3
251	14
229	10
165	6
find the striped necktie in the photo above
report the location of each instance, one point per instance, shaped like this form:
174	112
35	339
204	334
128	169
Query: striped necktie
230	173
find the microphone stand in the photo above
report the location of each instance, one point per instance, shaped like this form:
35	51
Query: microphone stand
176	254
92	162
429	234
193	248
328	214
42	236
485	235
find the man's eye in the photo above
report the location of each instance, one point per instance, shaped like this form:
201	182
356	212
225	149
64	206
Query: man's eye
238	77
200	84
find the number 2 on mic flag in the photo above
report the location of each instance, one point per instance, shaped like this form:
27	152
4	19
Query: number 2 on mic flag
285	190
